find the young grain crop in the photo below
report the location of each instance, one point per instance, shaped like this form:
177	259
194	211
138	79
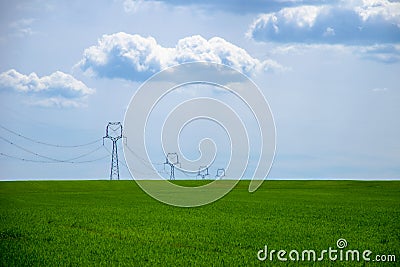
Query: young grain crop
57	223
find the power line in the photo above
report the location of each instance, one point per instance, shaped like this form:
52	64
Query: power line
115	128
147	163
49	144
144	164
71	160
186	173
85	154
43	161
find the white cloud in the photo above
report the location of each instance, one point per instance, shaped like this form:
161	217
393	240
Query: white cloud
383	53
55	102
368	28
378	10
23	27
133	6
379	89
349	22
57	89
134	57
329	32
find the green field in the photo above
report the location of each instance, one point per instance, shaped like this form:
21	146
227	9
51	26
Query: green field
58	223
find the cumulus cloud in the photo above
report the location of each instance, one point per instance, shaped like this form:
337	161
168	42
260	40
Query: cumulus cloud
56	89
349	22
134	57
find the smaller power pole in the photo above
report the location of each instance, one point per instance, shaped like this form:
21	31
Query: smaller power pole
203	172
220	173
172	159
114	133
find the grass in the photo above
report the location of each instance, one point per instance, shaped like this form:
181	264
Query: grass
58	223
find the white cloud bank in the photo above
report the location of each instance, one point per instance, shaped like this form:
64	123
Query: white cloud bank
372	25
370	22
134	57
57	89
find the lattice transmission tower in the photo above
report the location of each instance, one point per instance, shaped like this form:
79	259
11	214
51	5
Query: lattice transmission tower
114	133
172	160
220	173
203	172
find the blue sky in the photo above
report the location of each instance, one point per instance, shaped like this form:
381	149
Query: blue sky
329	70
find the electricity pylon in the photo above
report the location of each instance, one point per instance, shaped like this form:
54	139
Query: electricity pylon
220	173
172	159
203	172
114	133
